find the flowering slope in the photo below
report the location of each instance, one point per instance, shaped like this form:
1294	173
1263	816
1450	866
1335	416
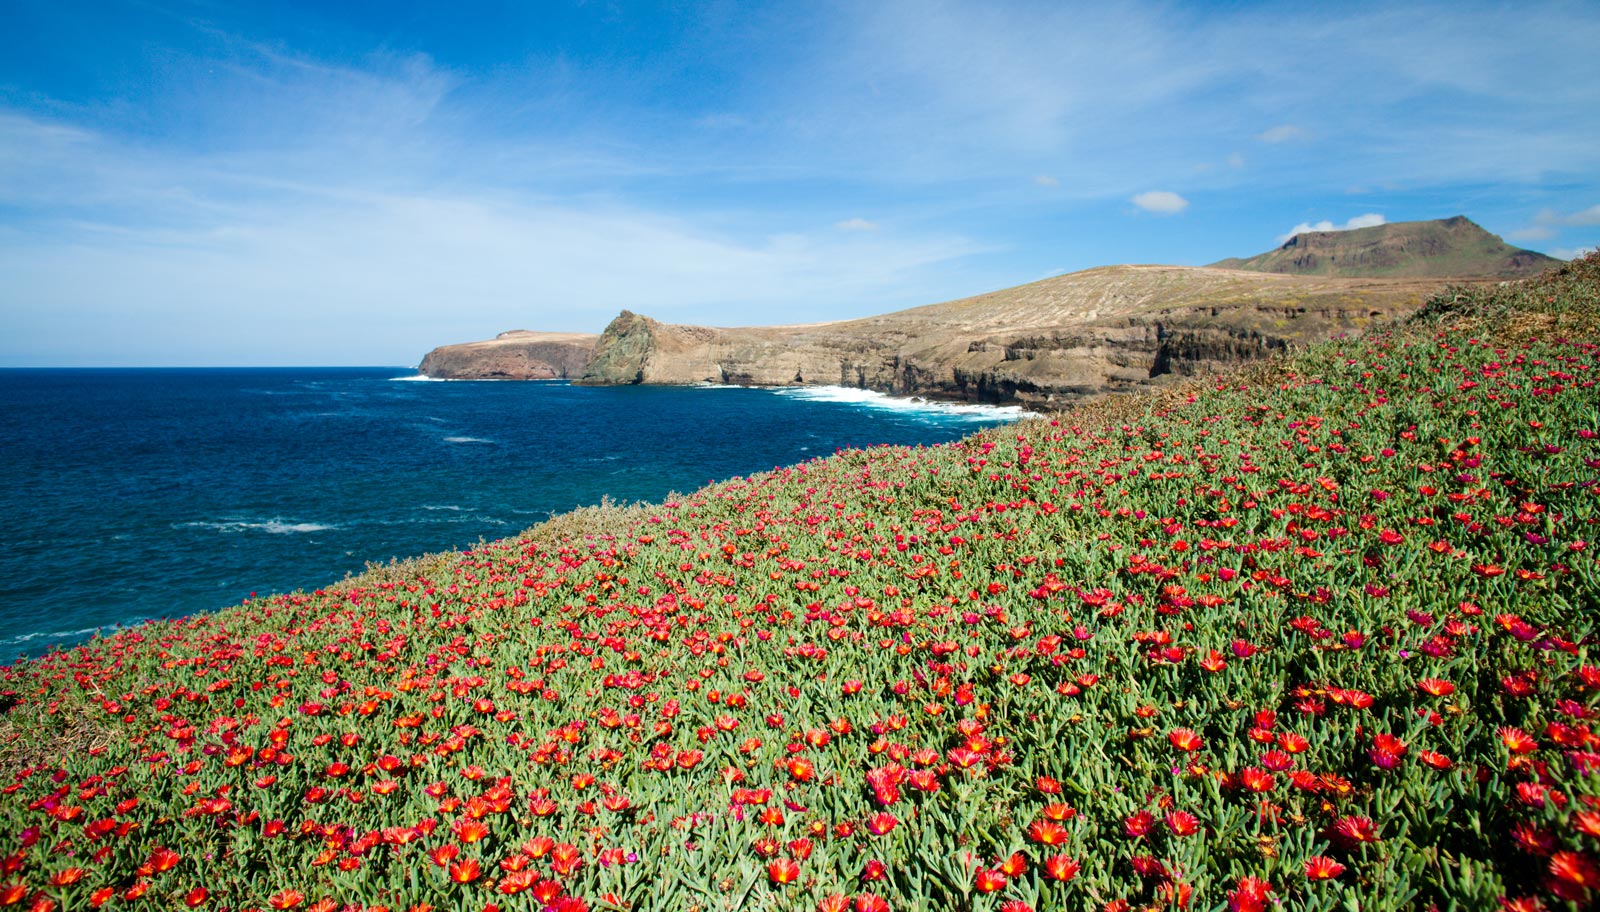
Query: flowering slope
1319	640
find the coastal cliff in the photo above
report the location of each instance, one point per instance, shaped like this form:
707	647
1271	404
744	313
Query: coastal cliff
515	355
1085	334
1048	343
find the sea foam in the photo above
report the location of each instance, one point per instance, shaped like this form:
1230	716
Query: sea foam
872	399
270	526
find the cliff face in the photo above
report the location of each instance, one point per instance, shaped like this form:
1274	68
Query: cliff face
1086	334
515	355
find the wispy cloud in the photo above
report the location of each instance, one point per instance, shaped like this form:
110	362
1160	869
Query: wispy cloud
359	272
1369	220
389	172
1283	133
1571	253
856	224
1583	217
1547	223
1160	202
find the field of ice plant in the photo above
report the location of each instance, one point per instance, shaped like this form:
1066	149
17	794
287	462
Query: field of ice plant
1313	637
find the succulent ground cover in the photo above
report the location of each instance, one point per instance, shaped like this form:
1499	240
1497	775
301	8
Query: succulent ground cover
1318	636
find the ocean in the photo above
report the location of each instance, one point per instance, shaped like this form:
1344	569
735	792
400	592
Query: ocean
131	494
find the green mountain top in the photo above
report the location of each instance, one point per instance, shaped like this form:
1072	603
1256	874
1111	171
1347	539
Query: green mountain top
1453	247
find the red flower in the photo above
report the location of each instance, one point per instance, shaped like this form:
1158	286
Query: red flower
1250	896
880	823
1434	687
1139	824
1061	868
1517	741
1435	759
1321	867
286	899
1355	830
783	870
163	859
1047	832
1575	868
466	870
1257	780
1183	823
1186	740
867	902
988	880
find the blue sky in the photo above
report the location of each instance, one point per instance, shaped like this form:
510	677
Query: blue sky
199	183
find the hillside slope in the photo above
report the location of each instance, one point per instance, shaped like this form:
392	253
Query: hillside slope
1317	635
1058	341
1045	344
1446	248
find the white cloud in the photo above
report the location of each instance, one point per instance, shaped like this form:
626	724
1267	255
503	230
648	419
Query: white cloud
856	224
1369	220
1283	133
1571	253
1160	202
1583	217
1549	222
126	252
1532	233
1235	160
1045	180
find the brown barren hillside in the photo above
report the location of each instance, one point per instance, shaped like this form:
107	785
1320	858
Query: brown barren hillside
1048	343
1101	330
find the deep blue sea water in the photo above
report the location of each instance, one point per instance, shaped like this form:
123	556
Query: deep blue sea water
133	494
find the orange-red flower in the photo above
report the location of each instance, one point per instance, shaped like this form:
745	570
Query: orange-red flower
1517	741
1321	867
465	871
1436	687
1047	832
989	880
881	823
1575	868
1186	740
1060	868
1182	823
783	870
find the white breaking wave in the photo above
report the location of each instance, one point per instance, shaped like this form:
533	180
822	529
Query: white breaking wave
420	378
861	398
54	635
467	440
270	526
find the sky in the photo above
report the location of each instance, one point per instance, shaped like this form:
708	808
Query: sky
325	183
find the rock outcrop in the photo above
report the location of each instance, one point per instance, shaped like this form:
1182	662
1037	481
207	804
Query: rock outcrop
515	355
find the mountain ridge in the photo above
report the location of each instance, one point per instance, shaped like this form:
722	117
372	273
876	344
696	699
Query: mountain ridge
1454	247
1044	344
